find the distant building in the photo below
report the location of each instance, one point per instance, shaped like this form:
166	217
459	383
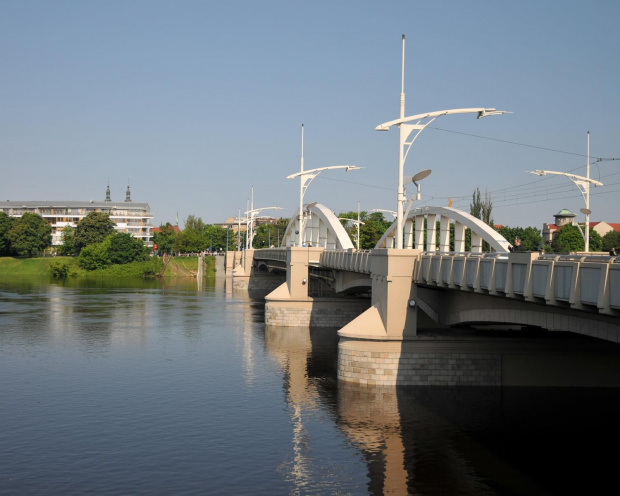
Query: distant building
129	217
604	227
159	229
566	217
233	223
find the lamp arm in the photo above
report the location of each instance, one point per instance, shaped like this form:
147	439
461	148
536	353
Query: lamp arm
420	128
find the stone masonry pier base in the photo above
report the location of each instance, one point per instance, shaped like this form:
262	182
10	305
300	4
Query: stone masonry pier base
475	360
283	311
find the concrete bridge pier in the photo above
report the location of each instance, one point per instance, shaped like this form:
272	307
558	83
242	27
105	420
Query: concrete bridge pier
243	275
370	347
290	305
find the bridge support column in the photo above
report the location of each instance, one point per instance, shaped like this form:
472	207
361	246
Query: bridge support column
290	305
370	346
229	264
246	276
242	269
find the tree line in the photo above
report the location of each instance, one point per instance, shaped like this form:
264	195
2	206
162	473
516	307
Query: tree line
94	240
25	236
198	237
98	245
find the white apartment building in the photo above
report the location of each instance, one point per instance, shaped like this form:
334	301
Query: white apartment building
128	217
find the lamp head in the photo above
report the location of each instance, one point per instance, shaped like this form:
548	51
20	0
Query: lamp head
491	111
421	175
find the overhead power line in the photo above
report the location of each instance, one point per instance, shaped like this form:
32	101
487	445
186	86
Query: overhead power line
516	143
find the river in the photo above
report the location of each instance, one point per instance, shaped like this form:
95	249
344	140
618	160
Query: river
151	387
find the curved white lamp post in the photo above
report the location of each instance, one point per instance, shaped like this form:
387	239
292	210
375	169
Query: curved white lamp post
250	216
406	126
393	213
305	178
583	185
357	222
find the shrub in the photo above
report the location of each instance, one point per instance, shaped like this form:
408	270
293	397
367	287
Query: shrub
124	248
59	269
95	256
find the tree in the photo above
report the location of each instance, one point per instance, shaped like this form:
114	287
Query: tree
192	238
530	237
6	223
165	238
95	255
611	240
30	234
569	239
193	223
124	248
214	237
373	227
483	210
475	207
93	228
68	241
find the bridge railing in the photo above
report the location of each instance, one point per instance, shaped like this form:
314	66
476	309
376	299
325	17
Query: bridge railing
590	283
279	254
349	260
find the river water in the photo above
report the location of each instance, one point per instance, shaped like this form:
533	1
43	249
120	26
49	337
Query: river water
170	388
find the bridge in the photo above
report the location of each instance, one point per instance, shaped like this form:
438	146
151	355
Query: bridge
413	315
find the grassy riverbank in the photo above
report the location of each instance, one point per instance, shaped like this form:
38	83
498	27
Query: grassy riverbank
153	267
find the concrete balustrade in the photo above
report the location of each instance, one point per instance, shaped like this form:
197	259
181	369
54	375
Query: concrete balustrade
584	283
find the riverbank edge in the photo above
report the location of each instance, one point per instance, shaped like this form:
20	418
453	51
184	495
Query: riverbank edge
40	267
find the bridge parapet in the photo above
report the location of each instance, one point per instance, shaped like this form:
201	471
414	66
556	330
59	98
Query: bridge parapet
350	260
588	283
276	254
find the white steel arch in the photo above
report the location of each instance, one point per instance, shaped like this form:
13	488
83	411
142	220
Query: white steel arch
479	231
322	228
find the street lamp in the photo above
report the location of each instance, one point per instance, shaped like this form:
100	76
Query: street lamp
250	216
418	196
357	222
583	185
393	213
406	126
305	178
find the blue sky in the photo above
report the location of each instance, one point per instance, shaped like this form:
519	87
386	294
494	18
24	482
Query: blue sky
193	102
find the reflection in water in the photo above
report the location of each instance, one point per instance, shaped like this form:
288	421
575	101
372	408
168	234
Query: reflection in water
308	360
470	441
176	388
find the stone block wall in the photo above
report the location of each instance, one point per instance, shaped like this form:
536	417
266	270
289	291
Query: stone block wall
405	368
328	312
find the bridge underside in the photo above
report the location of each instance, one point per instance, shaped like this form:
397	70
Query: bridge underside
456	308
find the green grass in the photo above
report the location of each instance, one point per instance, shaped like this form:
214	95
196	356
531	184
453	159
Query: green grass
149	268
26	266
40	267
